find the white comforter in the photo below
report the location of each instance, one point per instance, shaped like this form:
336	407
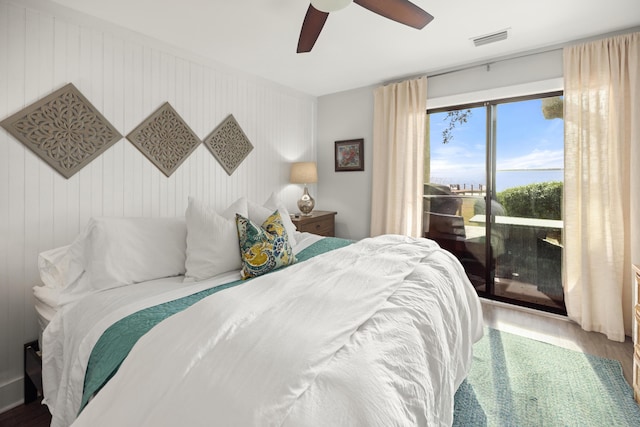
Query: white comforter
375	334
74	330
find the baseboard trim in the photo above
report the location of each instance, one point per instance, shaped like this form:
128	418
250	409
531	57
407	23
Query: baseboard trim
11	394
526	309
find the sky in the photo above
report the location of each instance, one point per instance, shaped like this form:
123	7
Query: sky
525	140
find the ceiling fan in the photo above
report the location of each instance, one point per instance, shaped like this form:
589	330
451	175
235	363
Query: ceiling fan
402	11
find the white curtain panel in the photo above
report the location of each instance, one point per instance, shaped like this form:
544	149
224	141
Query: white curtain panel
399	112
602	182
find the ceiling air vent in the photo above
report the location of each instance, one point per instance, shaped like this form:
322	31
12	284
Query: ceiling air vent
490	38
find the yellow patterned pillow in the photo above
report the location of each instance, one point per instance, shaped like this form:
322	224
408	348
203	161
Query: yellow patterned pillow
263	248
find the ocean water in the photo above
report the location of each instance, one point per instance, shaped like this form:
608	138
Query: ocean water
504	179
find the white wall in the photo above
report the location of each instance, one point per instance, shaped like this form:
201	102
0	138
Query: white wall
126	76
511	72
349	114
342	116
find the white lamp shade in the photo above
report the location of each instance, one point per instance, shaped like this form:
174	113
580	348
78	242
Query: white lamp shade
330	5
303	173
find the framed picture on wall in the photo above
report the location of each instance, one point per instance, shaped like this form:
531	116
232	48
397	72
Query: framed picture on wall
350	155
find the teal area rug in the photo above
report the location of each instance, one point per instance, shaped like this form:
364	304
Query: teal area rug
516	381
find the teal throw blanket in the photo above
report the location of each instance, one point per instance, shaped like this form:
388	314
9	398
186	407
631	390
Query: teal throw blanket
116	342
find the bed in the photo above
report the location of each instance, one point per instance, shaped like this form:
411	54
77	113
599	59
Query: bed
46	306
374	332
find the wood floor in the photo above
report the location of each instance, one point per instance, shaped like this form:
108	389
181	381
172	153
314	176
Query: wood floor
32	415
557	330
545	327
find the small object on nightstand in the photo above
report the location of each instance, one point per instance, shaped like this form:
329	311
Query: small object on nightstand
32	372
318	222
304	173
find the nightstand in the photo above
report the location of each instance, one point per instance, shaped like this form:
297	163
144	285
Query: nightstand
319	222
32	372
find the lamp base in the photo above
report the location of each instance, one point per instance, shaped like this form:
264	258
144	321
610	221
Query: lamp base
306	203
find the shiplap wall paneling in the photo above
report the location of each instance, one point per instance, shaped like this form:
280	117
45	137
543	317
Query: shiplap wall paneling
5	195
126	77
13	324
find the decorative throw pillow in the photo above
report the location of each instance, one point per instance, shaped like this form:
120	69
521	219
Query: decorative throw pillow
259	214
265	247
274	203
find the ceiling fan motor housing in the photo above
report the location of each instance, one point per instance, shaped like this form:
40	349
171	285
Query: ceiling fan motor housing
330	5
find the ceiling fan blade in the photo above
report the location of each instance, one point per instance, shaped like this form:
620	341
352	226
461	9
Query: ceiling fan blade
402	11
311	26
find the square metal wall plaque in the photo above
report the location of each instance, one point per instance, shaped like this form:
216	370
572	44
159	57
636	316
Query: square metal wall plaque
64	129
228	144
165	139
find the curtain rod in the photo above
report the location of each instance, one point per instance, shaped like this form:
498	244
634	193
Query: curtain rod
539	51
495	61
474	65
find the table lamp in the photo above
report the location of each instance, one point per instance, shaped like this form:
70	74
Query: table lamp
304	173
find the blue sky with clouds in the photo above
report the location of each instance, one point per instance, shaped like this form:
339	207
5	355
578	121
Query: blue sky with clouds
525	140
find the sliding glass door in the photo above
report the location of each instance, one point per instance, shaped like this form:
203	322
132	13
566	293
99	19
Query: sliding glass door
456	189
493	197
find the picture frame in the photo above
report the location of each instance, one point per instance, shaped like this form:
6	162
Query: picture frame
349	155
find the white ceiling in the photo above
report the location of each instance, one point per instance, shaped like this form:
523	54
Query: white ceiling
357	47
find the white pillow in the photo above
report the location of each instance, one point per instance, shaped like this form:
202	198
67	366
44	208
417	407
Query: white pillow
76	281
212	239
133	250
259	214
53	265
112	252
